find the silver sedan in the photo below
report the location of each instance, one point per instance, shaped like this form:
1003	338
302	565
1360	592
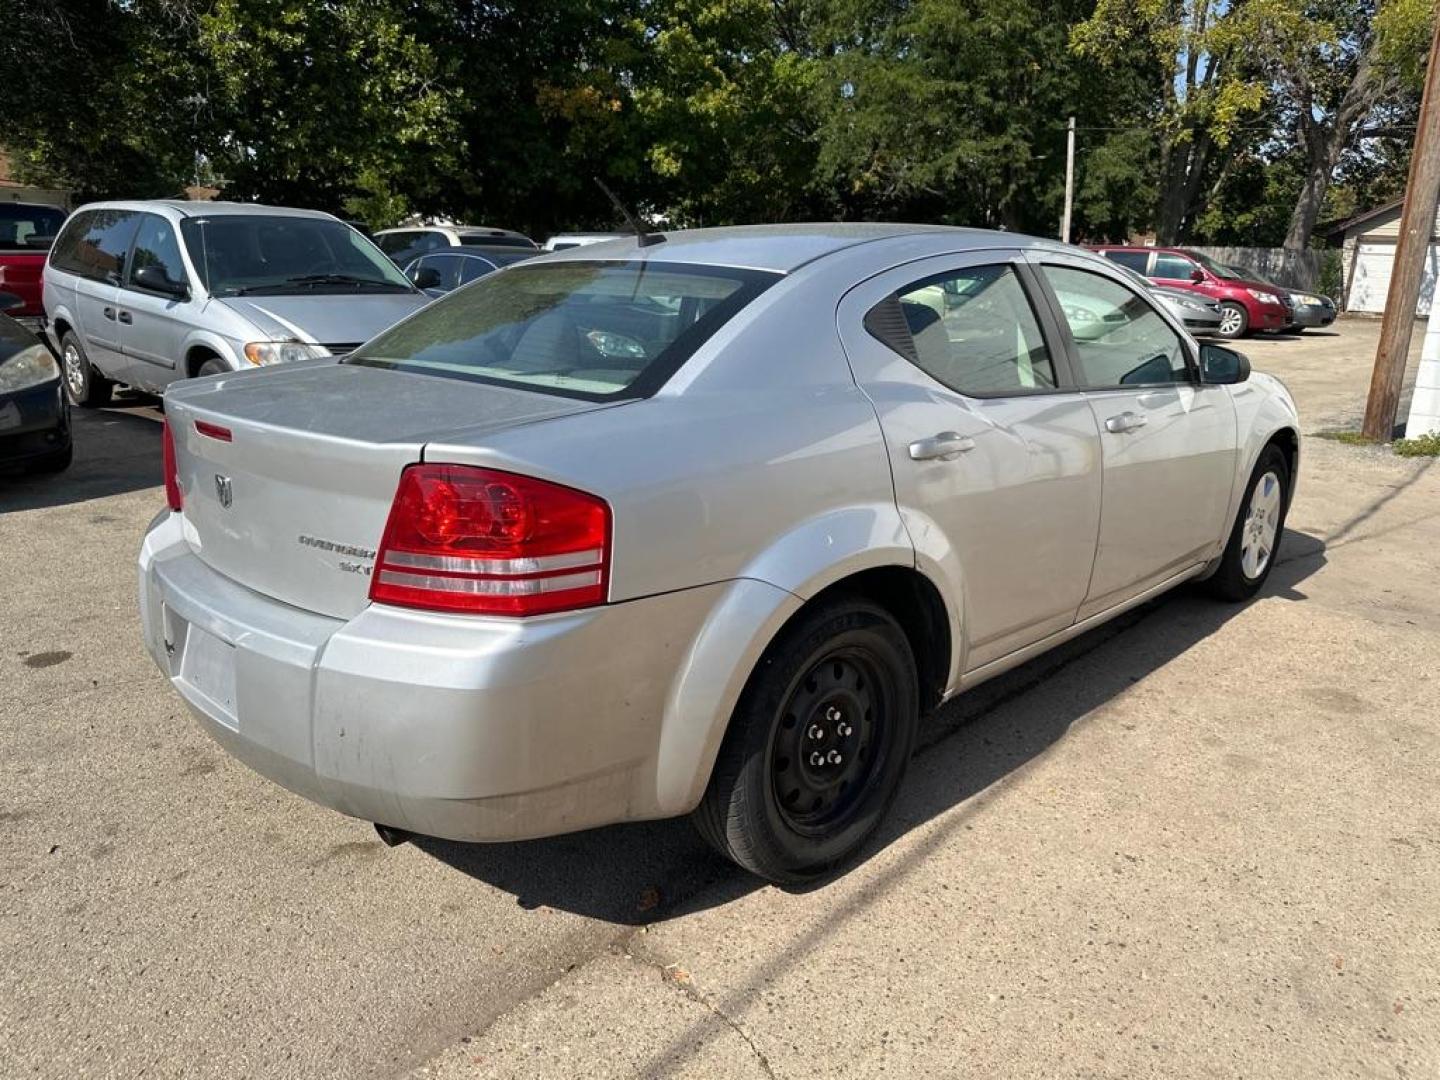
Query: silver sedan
703	525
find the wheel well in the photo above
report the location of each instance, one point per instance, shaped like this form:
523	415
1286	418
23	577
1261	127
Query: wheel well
1289	443
917	606
197	356
61	328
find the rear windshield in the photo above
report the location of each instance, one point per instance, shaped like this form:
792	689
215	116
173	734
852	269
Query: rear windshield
269	255
593	330
495	240
23	226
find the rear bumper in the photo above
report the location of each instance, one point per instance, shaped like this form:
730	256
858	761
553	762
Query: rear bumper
452	726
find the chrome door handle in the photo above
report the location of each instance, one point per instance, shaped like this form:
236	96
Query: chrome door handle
1126	421
946	446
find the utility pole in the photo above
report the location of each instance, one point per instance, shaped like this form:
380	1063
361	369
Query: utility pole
1417	222
1069	180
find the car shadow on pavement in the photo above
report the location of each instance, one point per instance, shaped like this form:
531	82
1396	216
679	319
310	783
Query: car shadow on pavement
647	872
117	450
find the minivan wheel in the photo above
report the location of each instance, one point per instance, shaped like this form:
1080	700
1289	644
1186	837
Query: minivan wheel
84	385
817	746
1234	320
213	366
1250	554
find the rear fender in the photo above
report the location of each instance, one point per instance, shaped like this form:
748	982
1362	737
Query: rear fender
804	562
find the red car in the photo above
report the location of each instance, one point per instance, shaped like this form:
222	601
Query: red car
26	232
1246	305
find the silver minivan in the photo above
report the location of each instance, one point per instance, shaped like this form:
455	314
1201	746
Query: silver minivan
146	293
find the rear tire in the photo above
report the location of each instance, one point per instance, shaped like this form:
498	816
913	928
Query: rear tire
817	746
1234	320
1259	525
85	386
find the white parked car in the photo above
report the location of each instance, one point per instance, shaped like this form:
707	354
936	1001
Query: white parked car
565	241
700	526
405	245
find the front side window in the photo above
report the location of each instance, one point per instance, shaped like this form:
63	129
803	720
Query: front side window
594	330
271	255
1172	267
972	330
1119	338
157	245
447	266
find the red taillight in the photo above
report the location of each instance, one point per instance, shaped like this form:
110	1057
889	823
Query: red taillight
213	431
462	538
174	496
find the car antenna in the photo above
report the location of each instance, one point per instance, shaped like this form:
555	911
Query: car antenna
646	239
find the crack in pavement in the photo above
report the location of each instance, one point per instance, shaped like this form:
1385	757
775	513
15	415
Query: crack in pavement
673	974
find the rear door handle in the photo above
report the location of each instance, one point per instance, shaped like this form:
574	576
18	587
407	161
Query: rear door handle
946	446
1126	421
126	318
109	313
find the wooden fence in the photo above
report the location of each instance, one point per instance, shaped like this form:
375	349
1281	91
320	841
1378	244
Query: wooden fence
1303	271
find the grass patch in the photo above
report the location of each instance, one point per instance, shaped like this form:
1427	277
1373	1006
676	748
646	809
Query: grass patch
1420	446
1349	438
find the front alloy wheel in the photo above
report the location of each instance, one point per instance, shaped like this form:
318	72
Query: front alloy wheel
1234	321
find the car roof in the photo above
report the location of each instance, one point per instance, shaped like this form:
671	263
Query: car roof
204	208
781	248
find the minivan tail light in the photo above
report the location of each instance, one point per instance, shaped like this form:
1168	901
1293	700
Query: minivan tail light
174	495
481	541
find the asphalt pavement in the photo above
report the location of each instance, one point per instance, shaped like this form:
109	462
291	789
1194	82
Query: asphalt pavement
1201	841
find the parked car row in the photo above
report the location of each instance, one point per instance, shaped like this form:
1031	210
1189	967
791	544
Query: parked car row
1247	302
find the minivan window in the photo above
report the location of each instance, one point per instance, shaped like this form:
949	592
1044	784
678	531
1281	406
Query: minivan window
28	227
157	245
100	251
273	254
1172	267
593	330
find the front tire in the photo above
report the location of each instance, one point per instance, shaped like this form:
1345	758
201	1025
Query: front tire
1250	555
1234	320
817	746
85	386
212	366
55	462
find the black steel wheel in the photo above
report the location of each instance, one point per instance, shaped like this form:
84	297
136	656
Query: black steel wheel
818	744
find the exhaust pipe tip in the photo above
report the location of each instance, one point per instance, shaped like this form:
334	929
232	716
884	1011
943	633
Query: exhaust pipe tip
391	836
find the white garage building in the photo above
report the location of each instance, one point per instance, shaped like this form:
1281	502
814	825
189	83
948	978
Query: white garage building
1369	253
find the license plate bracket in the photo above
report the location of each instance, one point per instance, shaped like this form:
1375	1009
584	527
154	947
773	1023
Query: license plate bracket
207	673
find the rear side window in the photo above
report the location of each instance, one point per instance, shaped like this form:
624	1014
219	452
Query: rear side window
65	254
472	269
1131	260
28	228
593	330
972	330
447	266
98	246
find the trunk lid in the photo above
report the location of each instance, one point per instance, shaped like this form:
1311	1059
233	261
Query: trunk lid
292	505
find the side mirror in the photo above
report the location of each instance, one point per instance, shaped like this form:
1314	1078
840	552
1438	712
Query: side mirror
1197	275
1220	366
425	277
9	301
157	280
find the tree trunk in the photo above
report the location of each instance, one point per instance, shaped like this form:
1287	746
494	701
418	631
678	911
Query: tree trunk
1321	167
